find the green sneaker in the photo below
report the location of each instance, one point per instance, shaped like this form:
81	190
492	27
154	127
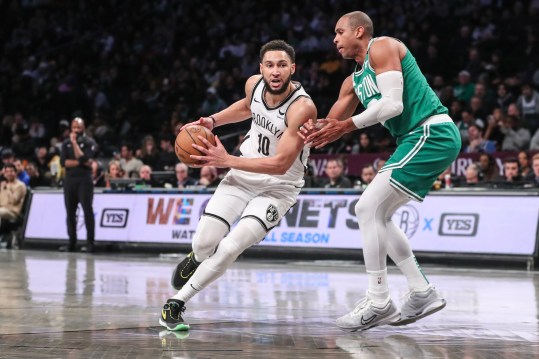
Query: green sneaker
171	315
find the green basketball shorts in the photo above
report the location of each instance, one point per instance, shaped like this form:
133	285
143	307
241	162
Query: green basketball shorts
422	155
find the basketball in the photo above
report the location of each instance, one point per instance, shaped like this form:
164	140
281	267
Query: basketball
186	138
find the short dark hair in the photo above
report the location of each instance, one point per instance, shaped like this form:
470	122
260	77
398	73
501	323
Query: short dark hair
278	45
128	145
511	160
10	165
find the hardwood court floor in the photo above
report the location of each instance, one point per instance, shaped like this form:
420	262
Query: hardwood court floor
73	305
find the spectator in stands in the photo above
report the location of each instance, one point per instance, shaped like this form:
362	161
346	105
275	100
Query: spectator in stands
22	175
516	137
7	156
476	142
209	177
36	178
465	88
23	144
505	98
533	176
534	143
528	105
335	174
98	176
367	175
488	167
213	103
477	108
166	159
149	153
466	120
130	164
41	160
472	176
511	170
115	170
486	97
493	131
364	144
12	194
145	174
183	179
524	163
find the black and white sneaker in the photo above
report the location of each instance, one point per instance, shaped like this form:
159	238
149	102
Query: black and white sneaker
367	315
171	315
184	271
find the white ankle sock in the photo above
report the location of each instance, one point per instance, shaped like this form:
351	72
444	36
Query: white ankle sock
417	281
378	290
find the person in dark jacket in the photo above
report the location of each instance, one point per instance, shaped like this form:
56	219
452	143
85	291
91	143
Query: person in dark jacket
78	151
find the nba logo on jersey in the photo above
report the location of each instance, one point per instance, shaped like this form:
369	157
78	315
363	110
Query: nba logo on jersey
271	213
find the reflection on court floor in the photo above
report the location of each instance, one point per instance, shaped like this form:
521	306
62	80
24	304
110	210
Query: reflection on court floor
70	304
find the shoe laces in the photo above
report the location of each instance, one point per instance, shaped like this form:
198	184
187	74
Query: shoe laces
175	309
361	305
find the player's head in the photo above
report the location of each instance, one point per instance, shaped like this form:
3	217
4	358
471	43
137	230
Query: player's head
277	65
77	125
349	29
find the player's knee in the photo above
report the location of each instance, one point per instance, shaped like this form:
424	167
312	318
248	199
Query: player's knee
210	232
364	212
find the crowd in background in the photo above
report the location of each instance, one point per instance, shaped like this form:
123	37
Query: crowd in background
137	70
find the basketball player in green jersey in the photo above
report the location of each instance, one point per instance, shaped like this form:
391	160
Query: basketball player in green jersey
394	92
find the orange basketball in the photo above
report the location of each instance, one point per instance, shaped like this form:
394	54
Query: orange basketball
186	138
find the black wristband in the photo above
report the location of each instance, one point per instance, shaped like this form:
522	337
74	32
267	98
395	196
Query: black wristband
213	119
83	159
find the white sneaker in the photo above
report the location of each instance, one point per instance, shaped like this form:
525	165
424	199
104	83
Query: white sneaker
368	314
420	304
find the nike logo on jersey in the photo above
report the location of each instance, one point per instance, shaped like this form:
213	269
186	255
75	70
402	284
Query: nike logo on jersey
255	100
281	113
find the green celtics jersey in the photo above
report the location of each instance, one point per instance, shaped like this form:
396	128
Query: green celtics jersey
420	102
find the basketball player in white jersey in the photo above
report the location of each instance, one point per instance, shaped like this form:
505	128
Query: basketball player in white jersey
263	182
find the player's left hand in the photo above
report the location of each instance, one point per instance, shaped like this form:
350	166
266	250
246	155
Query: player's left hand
213	155
325	131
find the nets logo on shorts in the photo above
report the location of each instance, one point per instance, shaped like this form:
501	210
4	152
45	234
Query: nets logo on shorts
271	213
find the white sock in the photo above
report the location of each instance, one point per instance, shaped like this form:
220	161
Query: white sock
378	290
187	292
417	281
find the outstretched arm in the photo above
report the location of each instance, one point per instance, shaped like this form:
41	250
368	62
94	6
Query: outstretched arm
385	57
237	112
289	147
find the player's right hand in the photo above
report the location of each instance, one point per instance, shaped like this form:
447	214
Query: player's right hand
203	121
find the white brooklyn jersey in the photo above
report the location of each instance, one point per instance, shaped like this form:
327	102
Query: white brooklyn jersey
267	127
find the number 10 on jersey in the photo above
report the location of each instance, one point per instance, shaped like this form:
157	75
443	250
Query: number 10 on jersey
263	144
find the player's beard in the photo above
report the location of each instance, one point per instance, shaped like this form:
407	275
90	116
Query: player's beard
280	90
